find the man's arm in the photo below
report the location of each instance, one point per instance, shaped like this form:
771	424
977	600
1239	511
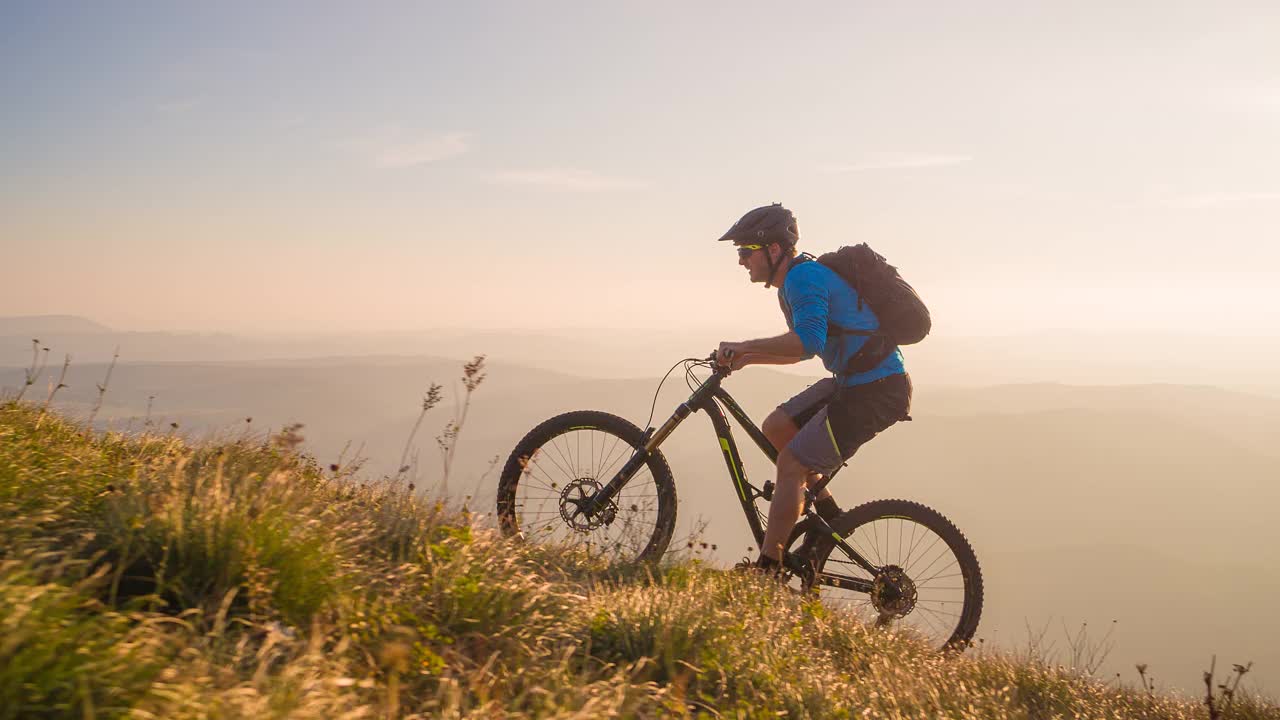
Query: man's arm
782	349
808	301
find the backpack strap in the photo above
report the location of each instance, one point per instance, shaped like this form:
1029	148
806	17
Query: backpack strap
873	352
782	299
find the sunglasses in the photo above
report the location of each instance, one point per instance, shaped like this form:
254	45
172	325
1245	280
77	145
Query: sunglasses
745	251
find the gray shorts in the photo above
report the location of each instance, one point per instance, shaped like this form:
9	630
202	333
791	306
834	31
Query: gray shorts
832	430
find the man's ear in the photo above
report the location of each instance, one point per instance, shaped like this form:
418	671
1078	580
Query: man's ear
775	252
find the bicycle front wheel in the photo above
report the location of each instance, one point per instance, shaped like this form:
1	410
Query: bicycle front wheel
928	583
566	460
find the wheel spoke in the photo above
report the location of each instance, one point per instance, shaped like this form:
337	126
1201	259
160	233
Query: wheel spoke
546	452
931	577
875	541
568	475
936	540
606	465
941	554
906	562
555	444
939	614
935	632
901	525
549	484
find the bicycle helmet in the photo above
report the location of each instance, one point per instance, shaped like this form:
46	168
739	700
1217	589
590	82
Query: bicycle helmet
765	225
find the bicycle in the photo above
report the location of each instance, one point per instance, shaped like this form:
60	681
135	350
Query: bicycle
559	485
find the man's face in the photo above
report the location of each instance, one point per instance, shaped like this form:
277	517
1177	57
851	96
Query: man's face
756	262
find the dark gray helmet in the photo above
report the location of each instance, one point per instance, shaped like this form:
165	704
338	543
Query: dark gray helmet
764	226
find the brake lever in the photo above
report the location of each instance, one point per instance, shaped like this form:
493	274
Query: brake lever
715	362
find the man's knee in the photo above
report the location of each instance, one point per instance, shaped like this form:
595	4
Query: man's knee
791	470
779	428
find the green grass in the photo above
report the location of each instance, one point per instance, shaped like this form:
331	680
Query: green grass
145	576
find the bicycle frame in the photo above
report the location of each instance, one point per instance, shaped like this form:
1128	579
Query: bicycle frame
709	396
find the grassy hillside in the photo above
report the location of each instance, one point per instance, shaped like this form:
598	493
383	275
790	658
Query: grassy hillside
145	576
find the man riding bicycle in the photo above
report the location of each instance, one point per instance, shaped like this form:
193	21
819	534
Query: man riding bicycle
824	425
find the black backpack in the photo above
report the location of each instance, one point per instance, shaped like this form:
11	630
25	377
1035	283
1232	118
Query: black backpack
904	319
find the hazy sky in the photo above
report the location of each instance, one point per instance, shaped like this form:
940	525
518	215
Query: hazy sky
316	166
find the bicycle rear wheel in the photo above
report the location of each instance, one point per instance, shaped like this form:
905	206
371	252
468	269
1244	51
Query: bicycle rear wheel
929	582
568	459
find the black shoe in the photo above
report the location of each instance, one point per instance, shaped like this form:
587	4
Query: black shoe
800	565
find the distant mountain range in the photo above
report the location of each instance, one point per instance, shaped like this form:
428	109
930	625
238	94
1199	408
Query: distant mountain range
1072	357
35	326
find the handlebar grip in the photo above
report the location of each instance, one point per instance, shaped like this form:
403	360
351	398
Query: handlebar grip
715	360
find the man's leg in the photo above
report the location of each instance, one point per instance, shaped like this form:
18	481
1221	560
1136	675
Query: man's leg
787	503
781	427
788	491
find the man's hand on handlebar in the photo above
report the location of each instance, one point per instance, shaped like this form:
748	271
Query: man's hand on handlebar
731	356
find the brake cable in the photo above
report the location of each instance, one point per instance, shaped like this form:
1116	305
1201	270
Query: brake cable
654	406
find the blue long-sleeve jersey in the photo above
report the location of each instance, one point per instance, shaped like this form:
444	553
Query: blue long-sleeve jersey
813	295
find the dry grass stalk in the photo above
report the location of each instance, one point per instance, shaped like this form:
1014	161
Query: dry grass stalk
472	375
54	388
102	387
1219	700
429	400
33	373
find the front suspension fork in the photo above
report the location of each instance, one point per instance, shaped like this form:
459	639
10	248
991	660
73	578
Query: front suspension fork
652	439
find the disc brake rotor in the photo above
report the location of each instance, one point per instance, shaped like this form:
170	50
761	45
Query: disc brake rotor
893	593
575	496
